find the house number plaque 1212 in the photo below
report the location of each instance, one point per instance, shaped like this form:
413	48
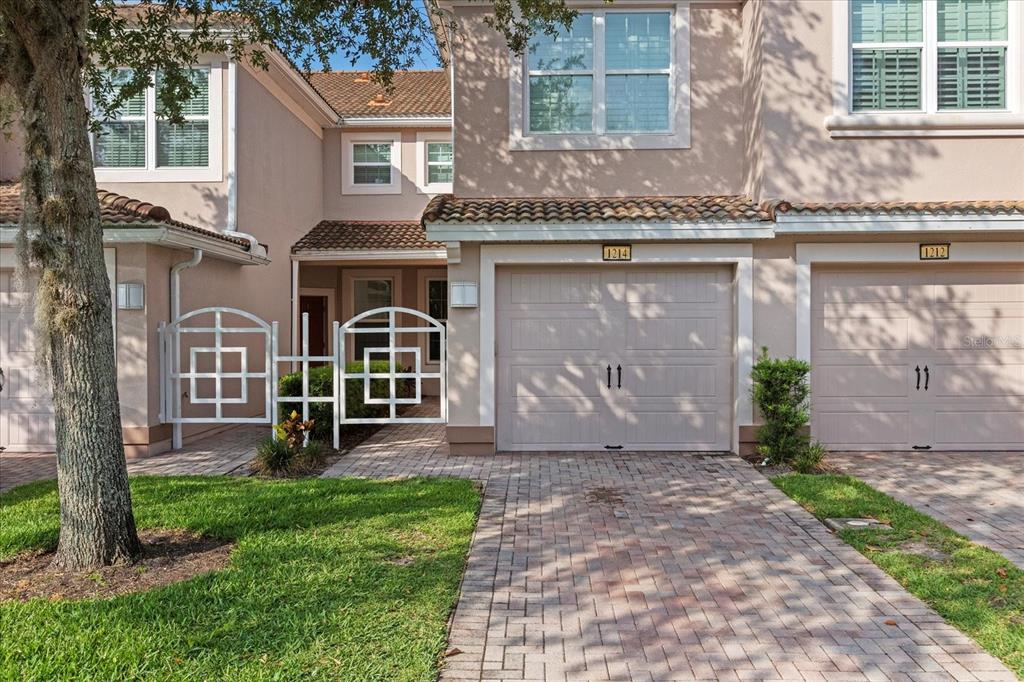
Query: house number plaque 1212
934	252
617	252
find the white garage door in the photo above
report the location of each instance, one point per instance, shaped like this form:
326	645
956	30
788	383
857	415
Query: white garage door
26	411
919	358
614	358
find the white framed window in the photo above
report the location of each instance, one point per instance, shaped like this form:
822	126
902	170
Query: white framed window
435	162
615	79
920	67
137	144
372	163
437	308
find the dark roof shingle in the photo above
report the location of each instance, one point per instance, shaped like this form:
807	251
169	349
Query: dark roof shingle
446	208
344	235
415	94
116	210
903	208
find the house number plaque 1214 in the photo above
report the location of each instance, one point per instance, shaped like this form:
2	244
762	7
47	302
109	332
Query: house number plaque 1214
617	252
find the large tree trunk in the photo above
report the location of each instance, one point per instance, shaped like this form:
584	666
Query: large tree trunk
62	241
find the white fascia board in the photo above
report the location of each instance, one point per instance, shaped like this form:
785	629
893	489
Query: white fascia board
303	85
165	236
882	224
396	121
371	254
583	232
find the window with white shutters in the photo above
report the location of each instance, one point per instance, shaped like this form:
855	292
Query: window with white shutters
972	43
896	59
139	144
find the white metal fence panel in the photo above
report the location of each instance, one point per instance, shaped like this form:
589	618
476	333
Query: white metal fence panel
392	351
173	376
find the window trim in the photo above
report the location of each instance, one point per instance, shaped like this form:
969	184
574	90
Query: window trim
213	172
422	185
678	135
427	279
367	276
930	121
349	140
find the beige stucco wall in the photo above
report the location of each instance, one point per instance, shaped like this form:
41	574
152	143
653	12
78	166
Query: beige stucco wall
803	162
338	205
713	165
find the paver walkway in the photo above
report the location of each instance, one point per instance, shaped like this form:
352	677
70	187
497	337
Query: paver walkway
659	566
223	453
980	495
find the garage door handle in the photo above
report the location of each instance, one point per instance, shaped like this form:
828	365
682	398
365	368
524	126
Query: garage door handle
609	376
926	377
918	370
619	371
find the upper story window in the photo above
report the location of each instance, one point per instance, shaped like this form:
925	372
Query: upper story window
371	163
909	63
614	79
439	162
435	162
138	144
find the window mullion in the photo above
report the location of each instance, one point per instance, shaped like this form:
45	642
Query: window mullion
930	57
599	107
151	124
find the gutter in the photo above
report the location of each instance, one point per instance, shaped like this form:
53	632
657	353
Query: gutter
396	121
176	270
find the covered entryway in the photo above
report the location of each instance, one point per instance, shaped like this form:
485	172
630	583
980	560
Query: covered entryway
633	358
918	357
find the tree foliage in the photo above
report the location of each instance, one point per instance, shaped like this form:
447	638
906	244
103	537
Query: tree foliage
169	36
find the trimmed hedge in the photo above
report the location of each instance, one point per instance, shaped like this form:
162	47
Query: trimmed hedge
321	383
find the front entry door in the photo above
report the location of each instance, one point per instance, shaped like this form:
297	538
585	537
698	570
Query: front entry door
316	306
614	358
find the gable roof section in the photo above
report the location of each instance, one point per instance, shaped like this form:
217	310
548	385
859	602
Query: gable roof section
363	235
416	94
446	209
118	211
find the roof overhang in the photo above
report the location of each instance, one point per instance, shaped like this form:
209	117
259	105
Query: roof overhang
886	223
370	255
595	232
167	236
396	122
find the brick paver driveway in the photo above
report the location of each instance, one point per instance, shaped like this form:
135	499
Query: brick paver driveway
980	495
657	566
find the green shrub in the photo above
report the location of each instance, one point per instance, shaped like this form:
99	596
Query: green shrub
782	394
276	458
272	457
808	460
321	383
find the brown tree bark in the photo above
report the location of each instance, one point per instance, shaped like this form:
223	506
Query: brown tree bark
42	49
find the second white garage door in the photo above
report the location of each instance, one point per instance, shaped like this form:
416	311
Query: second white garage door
615	358
928	357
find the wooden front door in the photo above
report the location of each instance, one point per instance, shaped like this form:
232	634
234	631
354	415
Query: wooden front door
316	306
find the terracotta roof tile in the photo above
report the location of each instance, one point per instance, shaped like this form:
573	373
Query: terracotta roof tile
116	210
344	235
447	209
415	93
903	208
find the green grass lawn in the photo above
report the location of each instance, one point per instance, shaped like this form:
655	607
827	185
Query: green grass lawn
310	591
973	588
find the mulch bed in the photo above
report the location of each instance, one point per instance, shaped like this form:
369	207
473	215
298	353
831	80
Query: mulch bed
170	556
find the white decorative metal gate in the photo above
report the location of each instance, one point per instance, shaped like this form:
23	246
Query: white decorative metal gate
196	372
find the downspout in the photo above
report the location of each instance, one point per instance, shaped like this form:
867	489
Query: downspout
231	163
175	359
